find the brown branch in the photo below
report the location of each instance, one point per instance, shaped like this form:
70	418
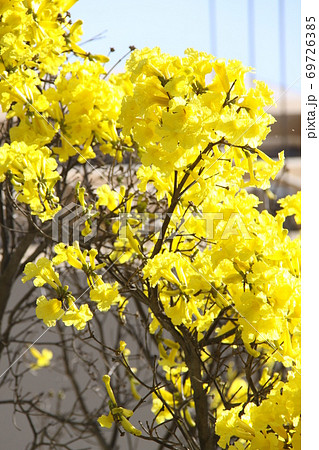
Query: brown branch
9	274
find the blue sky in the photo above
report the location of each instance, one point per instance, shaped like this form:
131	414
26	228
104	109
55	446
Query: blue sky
220	27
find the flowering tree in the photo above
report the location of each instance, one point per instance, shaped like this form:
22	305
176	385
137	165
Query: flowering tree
178	292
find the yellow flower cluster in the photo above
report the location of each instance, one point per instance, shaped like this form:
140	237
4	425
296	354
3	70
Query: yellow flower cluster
104	294
272	425
51	310
32	172
36	34
49	99
91	107
173	114
199	142
35	38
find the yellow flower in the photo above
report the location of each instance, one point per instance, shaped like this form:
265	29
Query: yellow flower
49	310
43	272
117	413
77	317
106	421
106	295
77	258
107	197
159	409
291	206
42	358
70	253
